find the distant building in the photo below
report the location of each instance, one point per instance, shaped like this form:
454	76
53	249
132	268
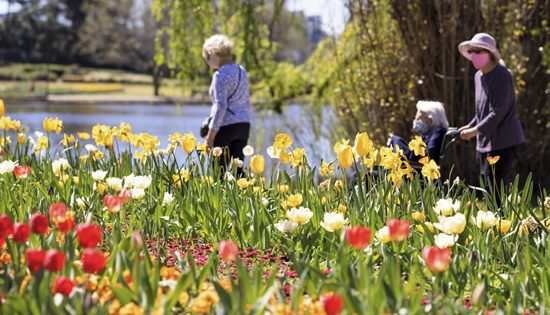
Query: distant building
314	29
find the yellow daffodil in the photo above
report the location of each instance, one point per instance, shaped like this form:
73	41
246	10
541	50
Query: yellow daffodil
419	216
298	156
326	169
431	170
283	189
68	139
52	124
282	141
504	225
418	146
284	157
257	164
83	135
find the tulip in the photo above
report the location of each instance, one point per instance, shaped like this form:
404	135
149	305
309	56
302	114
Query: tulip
383	235
22	172
333	221
21	232
436	259
358	237
35	259
189	142
88	235
257	164
126	195
54	260
333	304
93	261
228	250
345	156
63	285
299	215
399	229
2	108
58	209
113	203
6	226
363	145
39	223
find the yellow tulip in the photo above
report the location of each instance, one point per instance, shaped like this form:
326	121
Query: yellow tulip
189	142
257	164
2	108
345	156
493	159
504	225
21	138
419	216
363	144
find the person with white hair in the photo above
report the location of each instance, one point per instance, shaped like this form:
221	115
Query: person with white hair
431	124
495	125
228	125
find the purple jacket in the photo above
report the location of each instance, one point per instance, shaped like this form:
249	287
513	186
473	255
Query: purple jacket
496	119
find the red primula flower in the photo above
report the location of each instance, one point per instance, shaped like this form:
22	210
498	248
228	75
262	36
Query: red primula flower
63	285
21	232
54	260
358	237
35	259
39	223
228	250
399	229
6	226
436	259
88	235
333	304
22	172
113	202
93	261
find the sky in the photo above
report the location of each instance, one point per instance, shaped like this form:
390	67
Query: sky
332	12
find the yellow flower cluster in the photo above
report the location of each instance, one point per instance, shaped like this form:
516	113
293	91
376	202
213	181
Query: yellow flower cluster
52	125
6	123
206	298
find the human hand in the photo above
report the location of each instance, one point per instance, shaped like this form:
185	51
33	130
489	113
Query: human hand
462	128
210	138
468	133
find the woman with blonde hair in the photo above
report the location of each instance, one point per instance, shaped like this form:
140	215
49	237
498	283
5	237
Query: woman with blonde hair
228	126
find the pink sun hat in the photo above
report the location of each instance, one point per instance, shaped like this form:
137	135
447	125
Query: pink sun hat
480	40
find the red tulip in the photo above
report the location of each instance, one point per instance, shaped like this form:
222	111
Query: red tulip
21	232
63	285
358	237
113	202
58	209
93	261
22	172
6	226
228	250
88	235
399	229
54	260
437	259
39	223
2	241
126	195
333	304
35	259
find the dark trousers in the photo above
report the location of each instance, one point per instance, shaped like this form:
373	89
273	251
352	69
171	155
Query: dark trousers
232	139
505	170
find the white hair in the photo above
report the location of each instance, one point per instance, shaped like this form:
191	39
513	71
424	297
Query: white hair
436	111
219	45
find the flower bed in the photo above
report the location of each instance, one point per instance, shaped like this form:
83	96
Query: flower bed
114	224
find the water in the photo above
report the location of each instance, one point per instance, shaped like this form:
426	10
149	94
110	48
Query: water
311	128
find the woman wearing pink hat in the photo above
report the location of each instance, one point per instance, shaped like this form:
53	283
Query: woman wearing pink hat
496	125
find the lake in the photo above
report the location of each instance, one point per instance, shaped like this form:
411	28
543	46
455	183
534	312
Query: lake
310	127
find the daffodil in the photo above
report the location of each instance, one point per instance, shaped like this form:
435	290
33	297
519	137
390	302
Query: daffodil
326	169
294	200
431	170
418	146
282	141
52	124
298	156
83	135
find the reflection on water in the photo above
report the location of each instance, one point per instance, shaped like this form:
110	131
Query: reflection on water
310	127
